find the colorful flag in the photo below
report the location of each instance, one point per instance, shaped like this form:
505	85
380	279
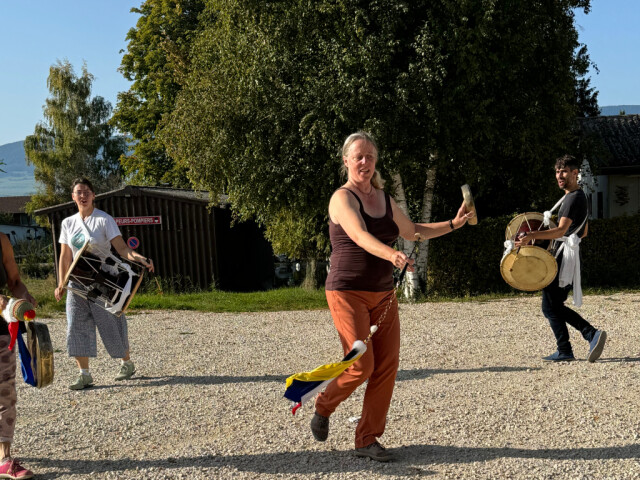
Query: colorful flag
301	387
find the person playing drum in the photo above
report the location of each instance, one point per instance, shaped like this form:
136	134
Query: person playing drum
9	278
572	219
83	316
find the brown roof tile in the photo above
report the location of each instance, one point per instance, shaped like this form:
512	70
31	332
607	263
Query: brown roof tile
13	204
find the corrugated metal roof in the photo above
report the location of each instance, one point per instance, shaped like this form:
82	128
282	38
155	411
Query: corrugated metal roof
13	204
190	196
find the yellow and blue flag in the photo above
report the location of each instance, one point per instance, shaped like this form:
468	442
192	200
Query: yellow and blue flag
301	387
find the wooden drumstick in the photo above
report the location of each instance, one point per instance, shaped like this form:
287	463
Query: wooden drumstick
469	203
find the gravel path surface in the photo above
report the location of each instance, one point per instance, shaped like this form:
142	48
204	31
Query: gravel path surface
472	400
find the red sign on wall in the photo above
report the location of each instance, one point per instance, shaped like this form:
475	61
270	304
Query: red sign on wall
138	220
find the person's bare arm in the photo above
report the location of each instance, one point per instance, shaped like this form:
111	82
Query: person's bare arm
125	252
409	229
64	263
551	234
15	285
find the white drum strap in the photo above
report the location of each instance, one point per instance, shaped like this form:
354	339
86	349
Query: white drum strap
85	230
547	214
119	297
508	247
570	269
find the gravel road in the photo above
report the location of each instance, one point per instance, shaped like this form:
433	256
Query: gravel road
472	399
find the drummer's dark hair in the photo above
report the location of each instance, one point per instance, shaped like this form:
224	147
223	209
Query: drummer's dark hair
83	181
568	161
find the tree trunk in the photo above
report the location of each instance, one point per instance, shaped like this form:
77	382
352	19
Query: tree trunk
427	204
414	281
315	274
411	287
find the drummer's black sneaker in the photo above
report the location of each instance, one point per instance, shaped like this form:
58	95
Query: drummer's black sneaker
596	345
559	357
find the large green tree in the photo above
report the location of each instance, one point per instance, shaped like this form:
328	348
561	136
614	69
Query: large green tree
74	139
456	91
156	61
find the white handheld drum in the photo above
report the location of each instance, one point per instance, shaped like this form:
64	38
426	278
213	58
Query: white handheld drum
103	279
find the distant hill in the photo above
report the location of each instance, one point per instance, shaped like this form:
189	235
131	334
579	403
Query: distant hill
615	110
17	179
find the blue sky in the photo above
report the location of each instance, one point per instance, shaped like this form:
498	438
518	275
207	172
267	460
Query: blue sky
611	32
35	33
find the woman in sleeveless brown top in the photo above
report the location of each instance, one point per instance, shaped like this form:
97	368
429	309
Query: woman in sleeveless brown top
10	278
364	222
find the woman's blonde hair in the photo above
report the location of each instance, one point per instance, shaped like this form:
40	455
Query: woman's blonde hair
376	180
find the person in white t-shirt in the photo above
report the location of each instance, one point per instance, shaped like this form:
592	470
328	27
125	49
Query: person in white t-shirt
83	317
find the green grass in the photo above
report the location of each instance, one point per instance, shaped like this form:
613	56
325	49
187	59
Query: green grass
217	301
212	301
280	299
42	290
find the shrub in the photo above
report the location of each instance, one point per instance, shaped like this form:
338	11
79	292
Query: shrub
35	257
467	262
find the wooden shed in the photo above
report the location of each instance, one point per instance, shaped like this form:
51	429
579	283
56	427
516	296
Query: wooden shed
190	243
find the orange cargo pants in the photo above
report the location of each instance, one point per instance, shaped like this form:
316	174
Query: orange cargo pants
353	314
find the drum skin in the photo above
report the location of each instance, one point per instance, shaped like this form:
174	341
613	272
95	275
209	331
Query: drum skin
530	267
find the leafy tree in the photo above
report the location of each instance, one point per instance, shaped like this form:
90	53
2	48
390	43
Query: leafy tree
455	91
74	140
156	61
586	96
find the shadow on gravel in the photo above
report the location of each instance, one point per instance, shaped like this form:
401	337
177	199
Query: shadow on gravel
291	463
415	374
619	360
419	373
413	460
431	454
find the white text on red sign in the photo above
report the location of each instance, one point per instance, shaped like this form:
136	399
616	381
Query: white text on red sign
138	220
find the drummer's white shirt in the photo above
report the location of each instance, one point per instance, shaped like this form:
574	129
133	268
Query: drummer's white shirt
102	229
